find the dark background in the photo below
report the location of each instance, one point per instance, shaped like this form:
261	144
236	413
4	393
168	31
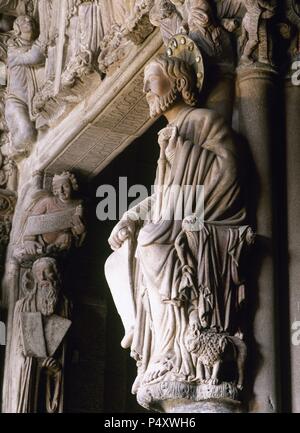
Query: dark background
100	373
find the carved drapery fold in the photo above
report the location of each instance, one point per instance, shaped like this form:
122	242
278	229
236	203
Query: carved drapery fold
74	52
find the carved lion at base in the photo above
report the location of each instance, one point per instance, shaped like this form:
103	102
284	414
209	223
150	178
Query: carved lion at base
211	350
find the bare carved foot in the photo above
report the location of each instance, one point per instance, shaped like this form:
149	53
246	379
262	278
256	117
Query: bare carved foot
157	370
213	381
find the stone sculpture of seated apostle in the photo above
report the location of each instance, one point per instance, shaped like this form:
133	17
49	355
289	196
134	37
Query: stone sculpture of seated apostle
184	282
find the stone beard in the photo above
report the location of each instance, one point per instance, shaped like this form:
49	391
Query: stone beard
47	297
159	104
161	96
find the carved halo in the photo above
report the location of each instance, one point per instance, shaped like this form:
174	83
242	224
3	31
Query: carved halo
183	47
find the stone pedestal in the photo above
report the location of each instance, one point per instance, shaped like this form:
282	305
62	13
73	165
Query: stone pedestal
181	397
208	406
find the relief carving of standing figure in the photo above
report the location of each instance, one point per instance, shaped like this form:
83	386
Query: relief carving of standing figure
254	33
165	16
22	58
41	322
197	19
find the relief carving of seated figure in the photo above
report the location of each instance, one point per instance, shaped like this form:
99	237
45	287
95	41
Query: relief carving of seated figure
54	222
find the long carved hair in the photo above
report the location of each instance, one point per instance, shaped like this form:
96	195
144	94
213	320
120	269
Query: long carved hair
182	76
17	30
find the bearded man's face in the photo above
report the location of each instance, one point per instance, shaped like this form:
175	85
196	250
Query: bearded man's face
47	290
160	92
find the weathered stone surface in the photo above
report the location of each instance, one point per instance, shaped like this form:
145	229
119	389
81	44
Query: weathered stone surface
71	98
186	322
257	95
50	226
36	353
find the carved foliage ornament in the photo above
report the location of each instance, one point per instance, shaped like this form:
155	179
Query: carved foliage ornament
185	48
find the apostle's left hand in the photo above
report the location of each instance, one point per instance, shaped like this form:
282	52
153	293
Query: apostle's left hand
52	365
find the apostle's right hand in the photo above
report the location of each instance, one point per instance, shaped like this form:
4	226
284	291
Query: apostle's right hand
122	231
32	247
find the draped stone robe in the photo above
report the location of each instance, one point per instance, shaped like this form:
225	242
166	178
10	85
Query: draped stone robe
205	154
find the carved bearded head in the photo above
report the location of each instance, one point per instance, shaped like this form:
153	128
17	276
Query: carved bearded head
166	80
47	285
63	186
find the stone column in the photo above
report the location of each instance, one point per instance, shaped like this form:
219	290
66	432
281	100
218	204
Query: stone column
8	201
292	95
221	98
257	105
